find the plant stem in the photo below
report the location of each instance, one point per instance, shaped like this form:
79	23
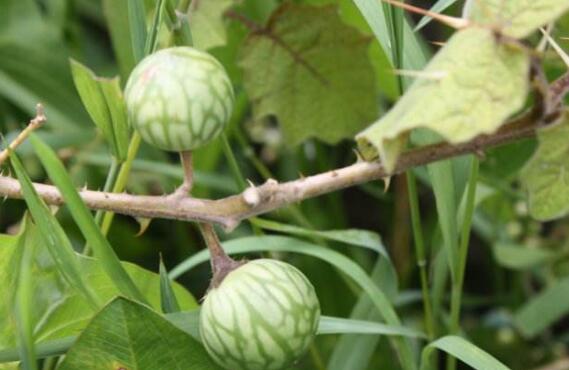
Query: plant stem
457	284
122	178
187	166
221	263
420	253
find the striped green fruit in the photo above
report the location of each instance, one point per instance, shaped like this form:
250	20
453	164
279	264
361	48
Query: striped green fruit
263	316
179	98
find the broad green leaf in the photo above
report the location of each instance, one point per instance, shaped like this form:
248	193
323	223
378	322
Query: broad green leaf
543	310
53	236
515	18
312	72
519	257
546	175
72	314
463	350
59	309
206	23
342	263
469	88
131	336
24	301
85	221
103	100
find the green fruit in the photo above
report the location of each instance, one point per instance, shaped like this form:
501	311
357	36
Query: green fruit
263	316
179	99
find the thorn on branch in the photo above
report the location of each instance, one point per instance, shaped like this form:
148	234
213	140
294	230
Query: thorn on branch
34	124
251	195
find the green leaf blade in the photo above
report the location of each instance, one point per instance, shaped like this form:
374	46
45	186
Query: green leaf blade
85	221
324	89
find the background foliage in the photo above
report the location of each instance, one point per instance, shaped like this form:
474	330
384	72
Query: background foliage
308	76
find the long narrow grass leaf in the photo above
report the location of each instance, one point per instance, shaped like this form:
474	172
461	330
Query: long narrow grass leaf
168	301
137	27
464	351
82	216
24	302
53	236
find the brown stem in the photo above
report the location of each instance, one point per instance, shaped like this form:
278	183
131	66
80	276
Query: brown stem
229	211
187	165
221	263
34	124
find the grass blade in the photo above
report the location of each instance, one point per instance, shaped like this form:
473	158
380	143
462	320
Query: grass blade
137	27
464	351
168	300
82	216
24	303
439	7
53	236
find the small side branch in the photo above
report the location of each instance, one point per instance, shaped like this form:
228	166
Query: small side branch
34	124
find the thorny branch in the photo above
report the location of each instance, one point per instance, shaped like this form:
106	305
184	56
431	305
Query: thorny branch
230	211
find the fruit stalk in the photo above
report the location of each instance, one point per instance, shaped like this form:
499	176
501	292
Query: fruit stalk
221	263
187	165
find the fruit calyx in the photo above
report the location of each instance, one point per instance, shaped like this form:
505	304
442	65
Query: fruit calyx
221	263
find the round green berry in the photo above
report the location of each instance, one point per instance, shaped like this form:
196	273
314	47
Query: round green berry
179	98
263	316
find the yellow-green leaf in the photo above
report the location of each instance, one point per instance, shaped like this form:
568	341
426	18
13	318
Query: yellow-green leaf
546	176
469	88
206	23
515	18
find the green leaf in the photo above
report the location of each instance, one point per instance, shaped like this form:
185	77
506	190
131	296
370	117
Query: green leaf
121	38
469	88
520	257
312	72
515	18
543	310
59	309
85	221
439	7
354	351
104	102
24	301
168	300
53	236
360	238
137	28
546	175
374	14
342	263
128	335
464	351
206	23
336	325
